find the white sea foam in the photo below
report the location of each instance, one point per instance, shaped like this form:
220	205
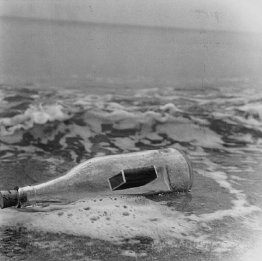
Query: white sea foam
35	114
99	106
170	107
132	114
107	218
254	252
253	110
249	115
241	206
188	132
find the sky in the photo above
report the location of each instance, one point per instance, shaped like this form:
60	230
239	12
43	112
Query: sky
229	15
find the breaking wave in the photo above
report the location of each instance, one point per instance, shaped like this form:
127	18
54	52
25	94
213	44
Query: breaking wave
80	125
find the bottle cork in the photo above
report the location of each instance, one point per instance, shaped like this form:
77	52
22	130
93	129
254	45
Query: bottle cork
9	198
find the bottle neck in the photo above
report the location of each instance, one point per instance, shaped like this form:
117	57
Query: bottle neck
46	194
32	195
27	195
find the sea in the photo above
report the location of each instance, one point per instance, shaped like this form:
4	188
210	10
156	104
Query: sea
71	91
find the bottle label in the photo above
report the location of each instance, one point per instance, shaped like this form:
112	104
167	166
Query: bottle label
131	178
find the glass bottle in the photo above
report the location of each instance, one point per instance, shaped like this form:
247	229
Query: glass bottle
145	172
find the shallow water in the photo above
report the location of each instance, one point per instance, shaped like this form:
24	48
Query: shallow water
47	127
45	133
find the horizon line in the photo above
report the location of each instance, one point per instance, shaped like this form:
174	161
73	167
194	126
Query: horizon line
83	22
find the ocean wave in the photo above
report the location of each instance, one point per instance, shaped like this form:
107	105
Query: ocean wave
75	125
252	113
35	114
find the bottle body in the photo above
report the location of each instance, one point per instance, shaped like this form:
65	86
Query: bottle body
171	169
